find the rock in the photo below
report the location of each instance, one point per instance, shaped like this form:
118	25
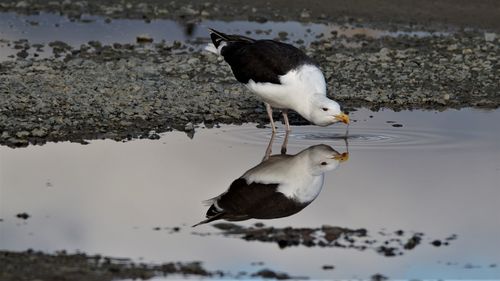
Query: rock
489	36
436	243
23	216
189	127
379	277
22	5
305	14
193	61
269	274
24	63
41	132
144	38
282	35
328	267
22	134
412	242
23	54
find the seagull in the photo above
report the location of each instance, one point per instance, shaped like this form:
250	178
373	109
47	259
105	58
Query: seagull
281	75
280	186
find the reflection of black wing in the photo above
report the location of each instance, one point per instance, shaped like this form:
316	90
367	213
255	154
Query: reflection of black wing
255	200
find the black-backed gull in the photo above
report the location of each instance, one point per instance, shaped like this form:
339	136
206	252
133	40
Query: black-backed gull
279	186
281	75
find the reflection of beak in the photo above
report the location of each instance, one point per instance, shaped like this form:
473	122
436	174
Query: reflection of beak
342	117
342	157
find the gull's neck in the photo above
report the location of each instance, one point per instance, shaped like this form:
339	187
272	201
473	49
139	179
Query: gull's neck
306	108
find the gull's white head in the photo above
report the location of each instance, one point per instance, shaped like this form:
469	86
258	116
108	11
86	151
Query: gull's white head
324	111
324	158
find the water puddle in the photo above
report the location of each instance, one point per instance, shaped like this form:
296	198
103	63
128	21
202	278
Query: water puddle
437	174
45	28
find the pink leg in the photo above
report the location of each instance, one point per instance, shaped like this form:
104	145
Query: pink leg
270	114
285	118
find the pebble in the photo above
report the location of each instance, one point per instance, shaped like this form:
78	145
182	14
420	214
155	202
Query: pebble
39	132
144	38
23	216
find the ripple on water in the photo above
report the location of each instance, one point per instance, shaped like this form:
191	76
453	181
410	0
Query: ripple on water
357	137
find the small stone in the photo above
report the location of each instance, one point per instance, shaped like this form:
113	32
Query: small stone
452	47
379	277
193	61
39	132
489	37
23	216
24	63
283	35
305	14
22	5
259	224
266	273
144	38
23	54
22	134
189	127
436	243
328	267
412	242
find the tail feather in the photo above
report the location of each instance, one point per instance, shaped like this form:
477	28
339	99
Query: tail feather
210	219
220	39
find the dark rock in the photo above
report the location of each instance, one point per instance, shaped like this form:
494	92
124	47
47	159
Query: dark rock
23	54
144	38
23	216
379	277
269	274
412	242
436	243
328	267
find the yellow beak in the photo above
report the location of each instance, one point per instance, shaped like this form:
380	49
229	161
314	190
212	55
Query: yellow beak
342	157
344	118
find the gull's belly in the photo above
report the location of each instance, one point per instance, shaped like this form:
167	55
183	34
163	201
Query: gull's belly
276	95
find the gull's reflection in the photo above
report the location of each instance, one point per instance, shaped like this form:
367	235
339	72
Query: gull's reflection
280	186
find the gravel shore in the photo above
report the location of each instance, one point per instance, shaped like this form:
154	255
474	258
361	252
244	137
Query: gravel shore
124	91
128	91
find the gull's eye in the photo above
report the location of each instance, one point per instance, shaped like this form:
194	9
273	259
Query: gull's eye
325	109
323	163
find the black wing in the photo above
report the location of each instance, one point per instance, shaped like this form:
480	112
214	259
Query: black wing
259	60
255	200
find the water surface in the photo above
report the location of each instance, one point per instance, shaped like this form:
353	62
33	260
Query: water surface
438	174
46	27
